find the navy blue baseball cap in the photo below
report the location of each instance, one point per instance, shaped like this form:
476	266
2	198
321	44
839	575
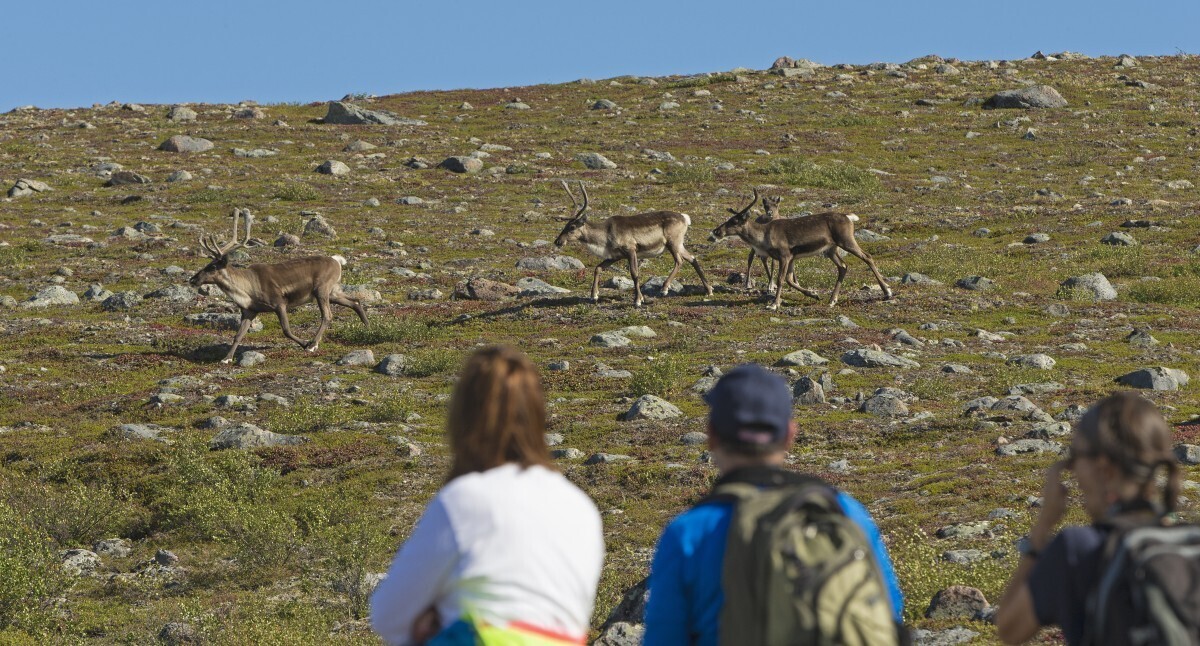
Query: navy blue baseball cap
750	406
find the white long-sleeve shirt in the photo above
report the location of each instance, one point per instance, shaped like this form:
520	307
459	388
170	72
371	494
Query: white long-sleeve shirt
505	545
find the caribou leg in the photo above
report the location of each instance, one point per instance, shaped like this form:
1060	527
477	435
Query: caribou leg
281	312
247	319
338	298
604	264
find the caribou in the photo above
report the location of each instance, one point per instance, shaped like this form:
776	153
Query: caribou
275	287
786	239
630	237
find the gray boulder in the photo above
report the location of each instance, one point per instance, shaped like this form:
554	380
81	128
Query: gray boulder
956	602
1119	239
319	226
807	392
357	358
865	358
531	286
604	104
610	340
621	633
145	432
221	321
1035	96
250	358
50	296
549	262
181	114
333	167
79	562
884	406
1039	361
1095	284
460	164
1188	454
1157	378
392	365
595	161
652	408
125	177
606	458
186	144
121	301
482	289
802	358
1029	445
25	187
343	113
249	436
975	283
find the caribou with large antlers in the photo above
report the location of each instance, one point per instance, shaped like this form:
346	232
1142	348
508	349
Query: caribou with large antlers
276	287
630	237
752	231
786	239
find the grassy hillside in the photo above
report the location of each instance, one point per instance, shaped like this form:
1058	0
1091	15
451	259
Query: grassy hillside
273	543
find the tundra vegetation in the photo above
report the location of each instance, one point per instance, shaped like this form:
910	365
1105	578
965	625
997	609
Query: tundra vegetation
148	492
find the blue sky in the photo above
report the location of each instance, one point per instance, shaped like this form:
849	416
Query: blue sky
72	53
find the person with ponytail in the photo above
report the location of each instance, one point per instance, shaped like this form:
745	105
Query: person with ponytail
508	551
1119	449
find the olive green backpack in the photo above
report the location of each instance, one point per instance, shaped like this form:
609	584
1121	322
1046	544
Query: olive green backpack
798	571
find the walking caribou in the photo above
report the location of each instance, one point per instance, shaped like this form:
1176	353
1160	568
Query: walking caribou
275	287
630	237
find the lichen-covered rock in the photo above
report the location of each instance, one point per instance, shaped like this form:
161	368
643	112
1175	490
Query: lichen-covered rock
651	408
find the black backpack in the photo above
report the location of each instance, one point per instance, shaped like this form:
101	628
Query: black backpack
1149	588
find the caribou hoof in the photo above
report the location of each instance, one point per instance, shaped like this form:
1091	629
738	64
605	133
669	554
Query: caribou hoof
227	360
312	347
888	295
773	307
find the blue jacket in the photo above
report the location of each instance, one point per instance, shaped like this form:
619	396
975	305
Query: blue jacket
685	575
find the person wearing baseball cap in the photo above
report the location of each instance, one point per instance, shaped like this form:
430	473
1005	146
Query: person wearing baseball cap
750	431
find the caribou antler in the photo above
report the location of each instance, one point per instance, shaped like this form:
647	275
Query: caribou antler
218	249
579	211
750	205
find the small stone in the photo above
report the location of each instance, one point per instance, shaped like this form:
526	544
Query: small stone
178	634
1029	445
1188	454
802	358
115	547
1141	338
531	286
179	176
250	358
357	358
79	562
1039	361
884	406
461	164
392	365
319	226
1036	96
807	392
606	458
566	454
694	438
652	408
1119	239
186	144
956	602
249	436
1157	378
124	177
550	262
963	557
50	296
957	369
333	167
1095	285
865	358
610	340
975	283
181	114
595	161
165	558
966	530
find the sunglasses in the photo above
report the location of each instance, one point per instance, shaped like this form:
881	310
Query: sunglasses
1074	454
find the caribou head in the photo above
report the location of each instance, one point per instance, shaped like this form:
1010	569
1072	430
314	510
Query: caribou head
576	223
215	272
